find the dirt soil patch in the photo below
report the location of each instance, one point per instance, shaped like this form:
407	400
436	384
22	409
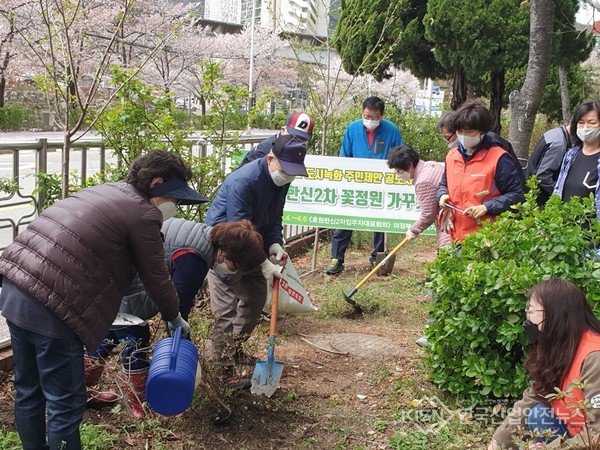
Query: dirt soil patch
329	397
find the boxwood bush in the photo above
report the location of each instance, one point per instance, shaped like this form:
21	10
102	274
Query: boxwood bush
478	342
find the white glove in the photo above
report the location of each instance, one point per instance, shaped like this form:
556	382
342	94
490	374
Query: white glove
443	199
270	270
445	220
179	322
276	253
411	236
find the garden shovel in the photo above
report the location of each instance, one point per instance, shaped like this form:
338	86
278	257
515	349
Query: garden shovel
267	374
348	296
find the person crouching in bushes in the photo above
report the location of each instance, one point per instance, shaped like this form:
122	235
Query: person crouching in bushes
191	249
566	349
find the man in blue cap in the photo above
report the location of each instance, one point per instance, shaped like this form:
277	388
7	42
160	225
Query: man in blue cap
256	192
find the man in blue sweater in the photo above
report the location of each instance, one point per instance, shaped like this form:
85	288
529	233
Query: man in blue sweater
255	192
370	137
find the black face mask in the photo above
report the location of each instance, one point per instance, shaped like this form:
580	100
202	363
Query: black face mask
532	330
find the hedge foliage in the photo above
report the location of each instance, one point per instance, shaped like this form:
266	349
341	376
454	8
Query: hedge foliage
478	342
15	118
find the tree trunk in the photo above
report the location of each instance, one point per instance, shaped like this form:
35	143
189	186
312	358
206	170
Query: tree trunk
525	102
459	88
564	94
496	99
65	164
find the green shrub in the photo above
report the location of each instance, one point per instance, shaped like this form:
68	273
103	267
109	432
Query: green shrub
477	338
420	132
9	440
15	118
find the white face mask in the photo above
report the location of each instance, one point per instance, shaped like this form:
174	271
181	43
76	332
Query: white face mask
222	269
168	209
404	176
453	143
281	178
588	134
371	124
468	141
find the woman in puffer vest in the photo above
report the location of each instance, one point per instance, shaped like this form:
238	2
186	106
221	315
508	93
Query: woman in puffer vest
62	283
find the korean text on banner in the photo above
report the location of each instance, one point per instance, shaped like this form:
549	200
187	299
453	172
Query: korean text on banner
351	194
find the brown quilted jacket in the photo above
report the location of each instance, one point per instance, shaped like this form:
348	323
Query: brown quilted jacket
80	255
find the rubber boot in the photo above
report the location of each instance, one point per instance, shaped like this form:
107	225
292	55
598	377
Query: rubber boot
93	369
135	389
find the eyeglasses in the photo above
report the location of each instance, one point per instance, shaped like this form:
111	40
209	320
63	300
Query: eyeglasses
529	311
370	117
448	138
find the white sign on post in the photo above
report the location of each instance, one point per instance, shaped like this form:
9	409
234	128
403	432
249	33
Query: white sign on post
352	194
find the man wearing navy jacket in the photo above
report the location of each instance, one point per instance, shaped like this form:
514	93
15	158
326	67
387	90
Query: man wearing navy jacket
256	191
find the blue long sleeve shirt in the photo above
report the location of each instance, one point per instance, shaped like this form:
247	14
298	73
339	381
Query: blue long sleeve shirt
356	142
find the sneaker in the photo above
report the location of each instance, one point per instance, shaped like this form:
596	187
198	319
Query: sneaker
336	266
422	342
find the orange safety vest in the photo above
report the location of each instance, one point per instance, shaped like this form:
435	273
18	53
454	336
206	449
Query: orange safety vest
469	184
567	409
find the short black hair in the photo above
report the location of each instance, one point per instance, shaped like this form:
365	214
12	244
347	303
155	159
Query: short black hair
374	103
582	110
402	157
446	122
472	115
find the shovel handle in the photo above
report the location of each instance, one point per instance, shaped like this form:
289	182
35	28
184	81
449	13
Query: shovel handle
379	266
274	306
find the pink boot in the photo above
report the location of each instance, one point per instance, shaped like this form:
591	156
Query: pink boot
135	388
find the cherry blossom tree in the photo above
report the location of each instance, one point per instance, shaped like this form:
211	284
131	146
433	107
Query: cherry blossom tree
71	46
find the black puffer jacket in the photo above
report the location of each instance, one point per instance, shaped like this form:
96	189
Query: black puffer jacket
80	255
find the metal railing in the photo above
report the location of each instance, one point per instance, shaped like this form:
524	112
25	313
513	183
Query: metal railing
26	197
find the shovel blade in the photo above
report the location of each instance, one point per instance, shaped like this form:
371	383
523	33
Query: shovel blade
265	379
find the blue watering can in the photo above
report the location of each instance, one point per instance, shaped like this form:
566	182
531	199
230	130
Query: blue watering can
171	379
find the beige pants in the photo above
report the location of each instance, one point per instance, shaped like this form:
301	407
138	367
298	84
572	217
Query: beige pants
237	303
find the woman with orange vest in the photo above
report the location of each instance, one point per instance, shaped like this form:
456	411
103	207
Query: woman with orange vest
566	349
481	179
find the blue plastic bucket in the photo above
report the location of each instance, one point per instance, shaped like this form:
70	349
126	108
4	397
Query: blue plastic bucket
170	385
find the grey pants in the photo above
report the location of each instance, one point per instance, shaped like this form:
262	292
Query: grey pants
237	303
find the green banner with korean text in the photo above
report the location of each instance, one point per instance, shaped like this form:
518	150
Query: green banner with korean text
351	194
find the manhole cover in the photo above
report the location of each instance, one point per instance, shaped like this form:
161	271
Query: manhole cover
355	344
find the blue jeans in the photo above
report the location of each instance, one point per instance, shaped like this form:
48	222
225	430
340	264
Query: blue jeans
48	378
341	239
542	418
